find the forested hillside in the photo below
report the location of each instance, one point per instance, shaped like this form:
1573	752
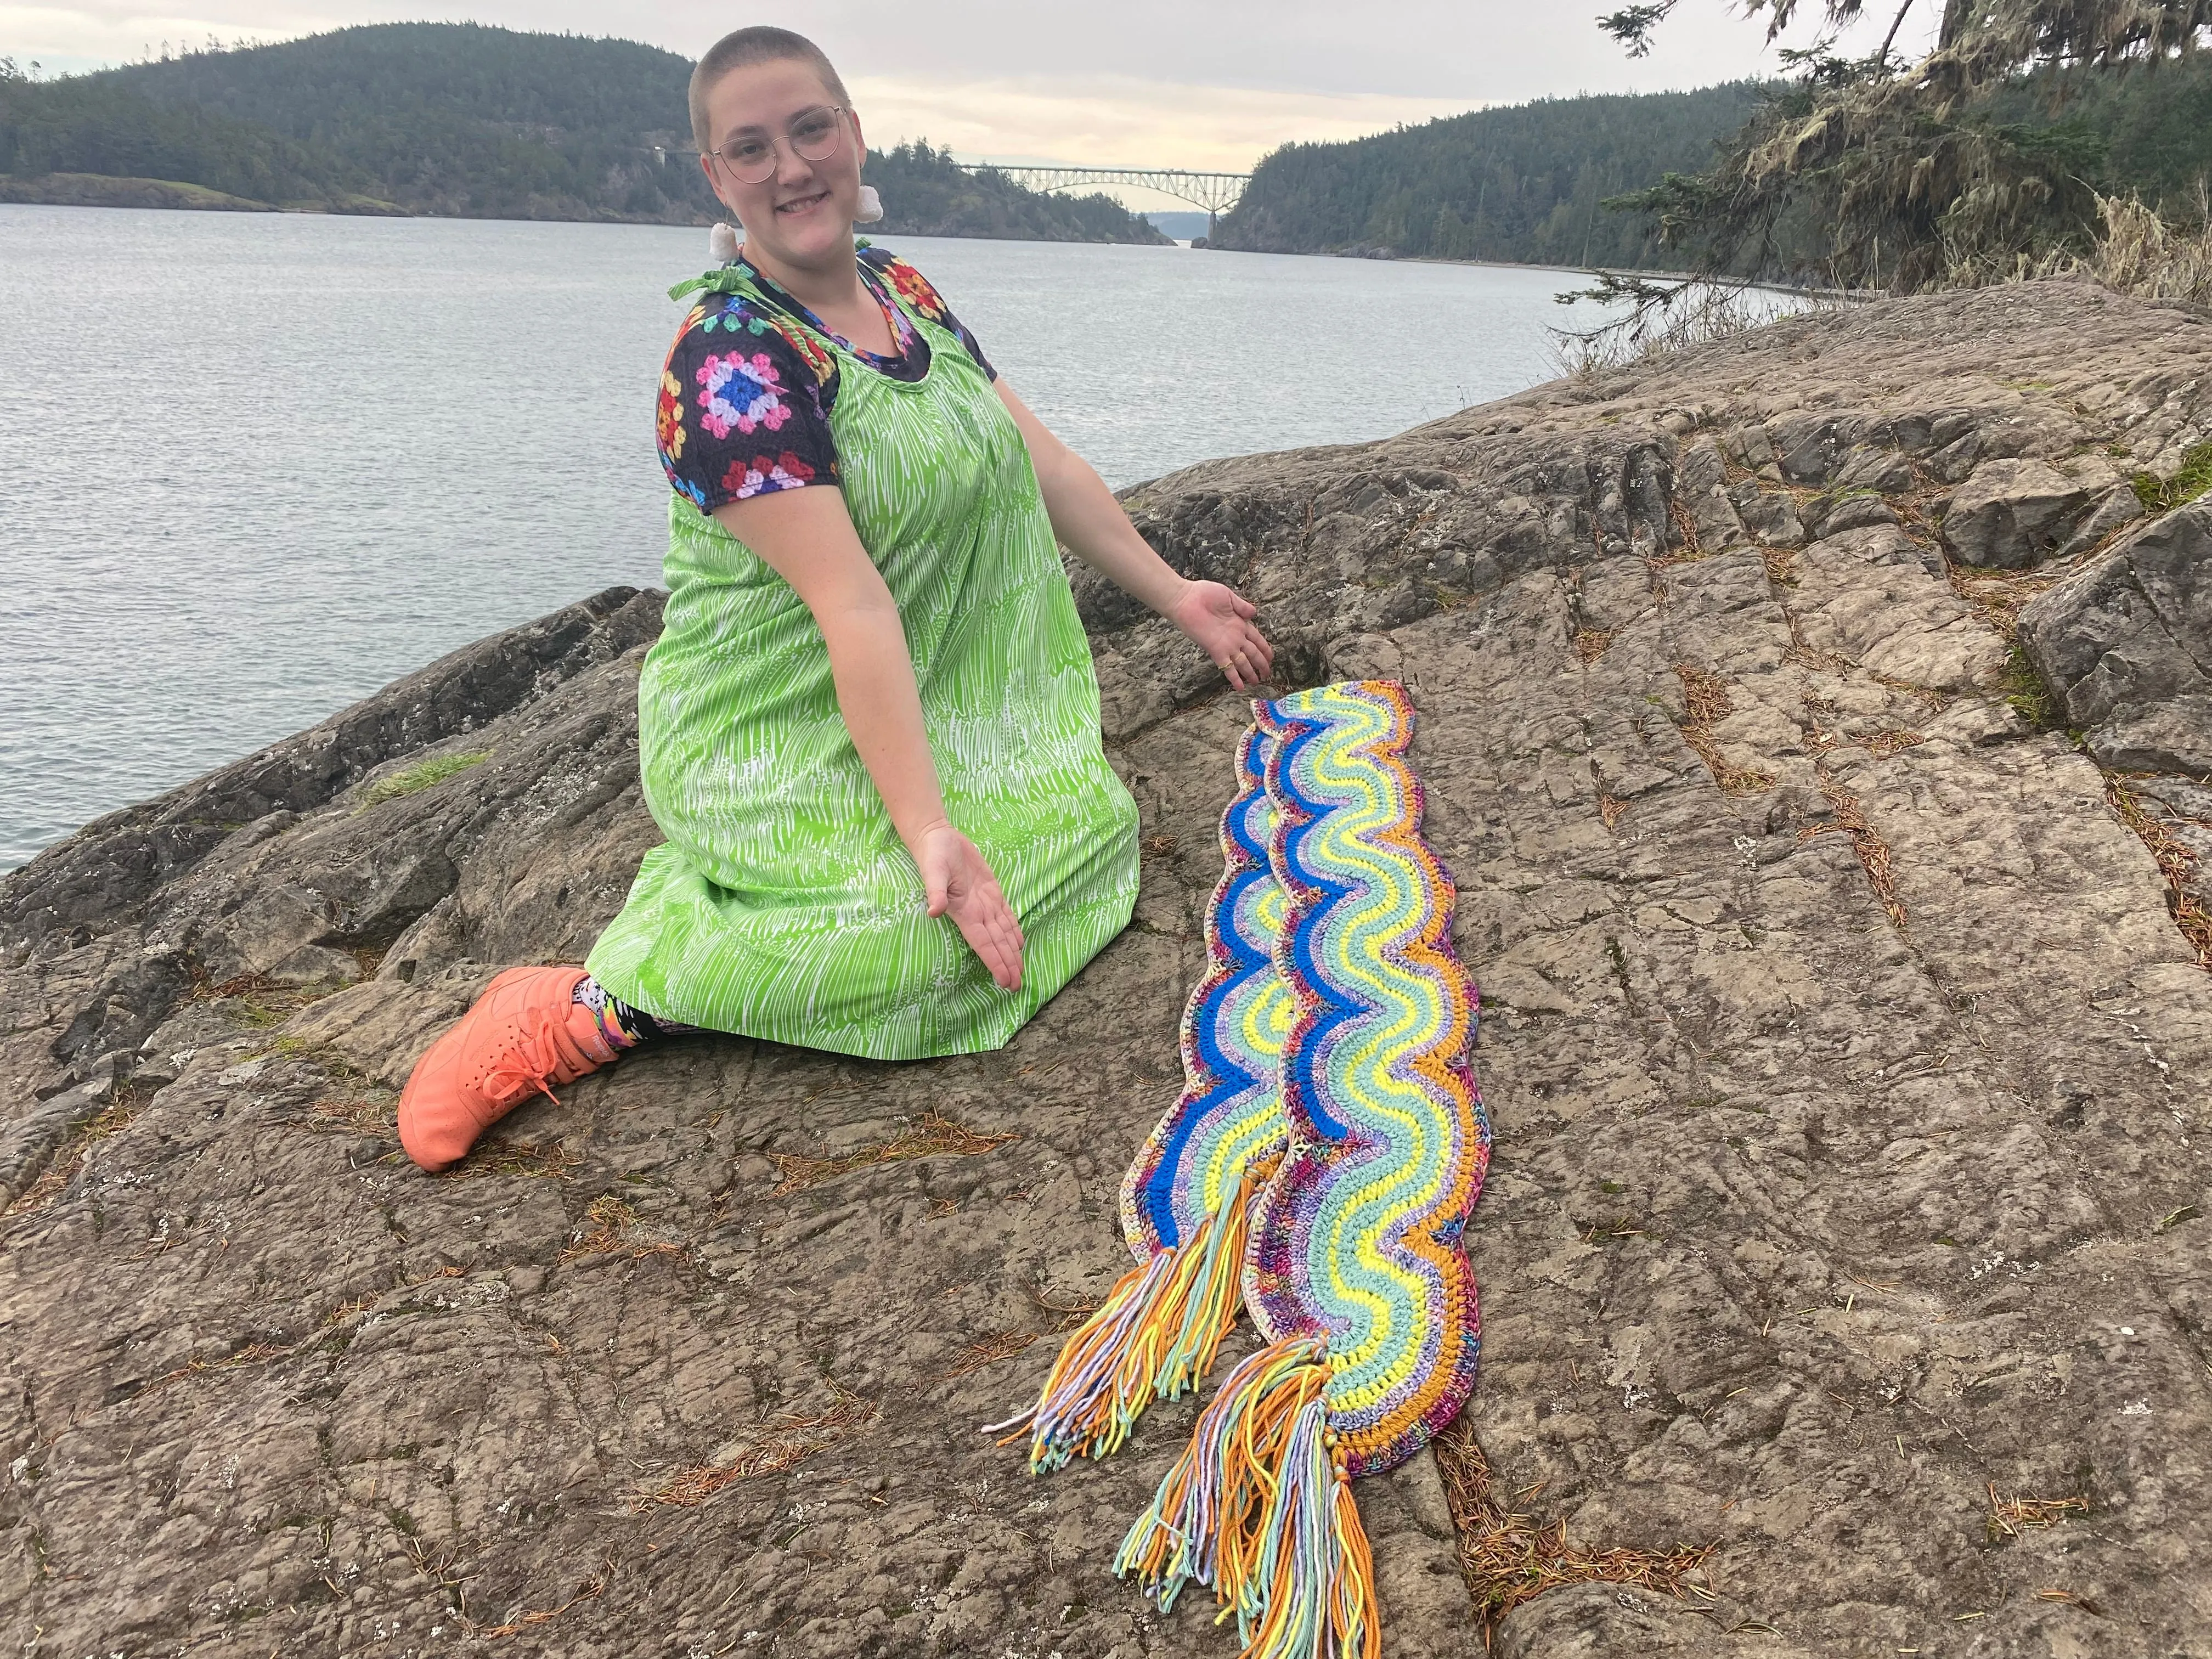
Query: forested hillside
90	126
1529	183
457	118
2149	130
464	120
1520	184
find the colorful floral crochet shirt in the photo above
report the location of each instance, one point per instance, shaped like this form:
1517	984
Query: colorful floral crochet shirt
746	392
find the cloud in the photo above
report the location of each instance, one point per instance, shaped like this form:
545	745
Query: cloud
1118	120
1465	52
1158	83
87	36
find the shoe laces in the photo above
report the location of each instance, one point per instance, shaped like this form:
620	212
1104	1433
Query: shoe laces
532	1061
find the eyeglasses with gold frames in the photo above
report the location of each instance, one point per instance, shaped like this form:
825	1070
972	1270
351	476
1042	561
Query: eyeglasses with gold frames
813	135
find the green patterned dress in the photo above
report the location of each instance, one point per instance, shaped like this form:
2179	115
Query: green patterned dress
783	904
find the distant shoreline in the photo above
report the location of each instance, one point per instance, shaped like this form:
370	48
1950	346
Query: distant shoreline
1774	284
112	191
1495	265
100	190
96	190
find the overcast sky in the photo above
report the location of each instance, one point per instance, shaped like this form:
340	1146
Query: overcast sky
1192	83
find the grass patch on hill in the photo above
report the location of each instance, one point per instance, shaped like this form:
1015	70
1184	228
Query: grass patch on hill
97	190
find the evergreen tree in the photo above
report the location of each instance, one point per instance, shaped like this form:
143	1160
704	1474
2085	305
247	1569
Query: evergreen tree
1876	172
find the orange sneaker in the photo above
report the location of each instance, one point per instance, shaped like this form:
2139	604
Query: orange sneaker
525	1033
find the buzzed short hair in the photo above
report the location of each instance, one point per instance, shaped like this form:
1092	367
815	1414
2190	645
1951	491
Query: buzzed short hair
758	44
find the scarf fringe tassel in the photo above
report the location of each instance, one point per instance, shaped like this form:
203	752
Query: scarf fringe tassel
1155	1336
1259	1510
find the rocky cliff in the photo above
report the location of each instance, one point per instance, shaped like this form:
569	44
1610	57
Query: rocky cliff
1811	722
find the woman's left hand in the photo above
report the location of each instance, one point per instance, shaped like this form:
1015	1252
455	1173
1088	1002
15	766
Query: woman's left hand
1220	621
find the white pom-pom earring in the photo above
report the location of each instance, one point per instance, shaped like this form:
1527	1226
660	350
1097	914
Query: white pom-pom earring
721	244
870	208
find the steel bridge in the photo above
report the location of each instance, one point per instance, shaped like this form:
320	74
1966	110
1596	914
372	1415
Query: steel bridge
1217	193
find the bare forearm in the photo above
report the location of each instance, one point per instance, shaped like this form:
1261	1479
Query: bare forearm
1086	517
806	536
874	676
1093	527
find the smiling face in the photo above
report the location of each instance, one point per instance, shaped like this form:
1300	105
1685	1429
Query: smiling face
801	217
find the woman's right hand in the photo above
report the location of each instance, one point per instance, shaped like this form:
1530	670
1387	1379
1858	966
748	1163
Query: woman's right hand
806	536
960	884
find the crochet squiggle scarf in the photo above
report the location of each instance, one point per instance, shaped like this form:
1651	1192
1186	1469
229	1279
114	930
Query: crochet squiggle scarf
1318	1169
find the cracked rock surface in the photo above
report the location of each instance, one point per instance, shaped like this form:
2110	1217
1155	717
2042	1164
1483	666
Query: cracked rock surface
2126	645
1847	1031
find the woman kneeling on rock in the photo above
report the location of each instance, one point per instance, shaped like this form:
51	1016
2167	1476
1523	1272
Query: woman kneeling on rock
870	728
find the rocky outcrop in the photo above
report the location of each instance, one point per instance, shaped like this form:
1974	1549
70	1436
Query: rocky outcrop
2126	647
1846	1032
205	894
2010	514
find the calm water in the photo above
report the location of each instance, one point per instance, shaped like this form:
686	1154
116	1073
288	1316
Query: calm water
254	466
